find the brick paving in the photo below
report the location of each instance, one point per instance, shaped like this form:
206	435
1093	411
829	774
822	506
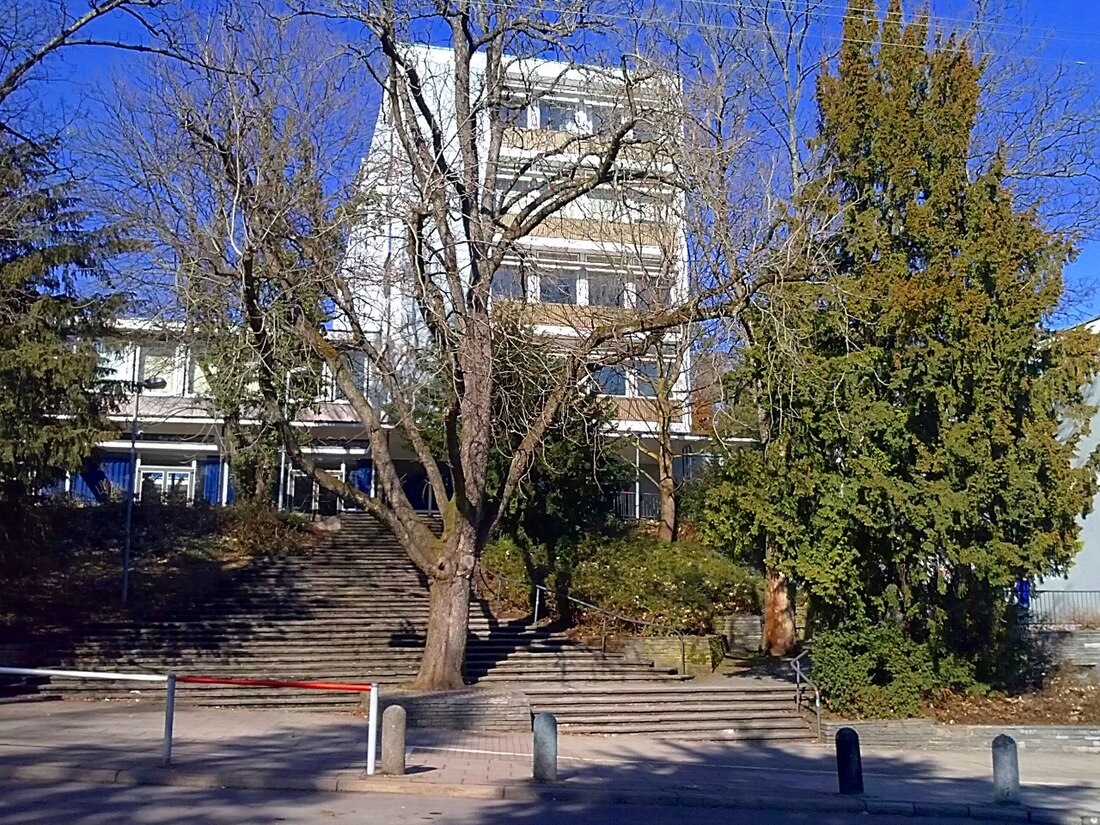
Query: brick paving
272	748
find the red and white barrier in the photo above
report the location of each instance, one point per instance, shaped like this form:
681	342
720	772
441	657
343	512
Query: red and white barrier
171	679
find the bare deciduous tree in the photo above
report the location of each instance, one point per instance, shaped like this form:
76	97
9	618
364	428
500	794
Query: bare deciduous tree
240	167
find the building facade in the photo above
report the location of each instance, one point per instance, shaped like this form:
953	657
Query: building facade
615	251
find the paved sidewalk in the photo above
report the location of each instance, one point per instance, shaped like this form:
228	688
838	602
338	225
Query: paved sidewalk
121	743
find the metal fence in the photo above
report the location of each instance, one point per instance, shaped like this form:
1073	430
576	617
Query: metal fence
1064	608
629	506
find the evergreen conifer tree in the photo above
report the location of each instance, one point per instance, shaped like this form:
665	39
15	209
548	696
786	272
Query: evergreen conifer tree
916	470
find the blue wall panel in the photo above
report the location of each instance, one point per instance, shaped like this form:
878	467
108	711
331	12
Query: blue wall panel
361	476
103	476
210	480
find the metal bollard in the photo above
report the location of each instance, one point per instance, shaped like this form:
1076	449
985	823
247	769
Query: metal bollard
1006	771
849	765
545	732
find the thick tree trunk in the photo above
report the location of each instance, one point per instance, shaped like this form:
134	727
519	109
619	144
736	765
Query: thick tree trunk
778	615
445	645
666	480
666	530
449	617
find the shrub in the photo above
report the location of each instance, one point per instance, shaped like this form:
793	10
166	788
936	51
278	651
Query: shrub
879	672
679	584
502	567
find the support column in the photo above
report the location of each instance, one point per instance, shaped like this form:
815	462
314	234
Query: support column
637	483
223	481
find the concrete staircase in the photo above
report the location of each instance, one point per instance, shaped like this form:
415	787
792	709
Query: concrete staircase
736	709
355	609
352	609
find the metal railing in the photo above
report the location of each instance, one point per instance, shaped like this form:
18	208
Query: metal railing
1062	608
604	614
801	682
170	680
629	506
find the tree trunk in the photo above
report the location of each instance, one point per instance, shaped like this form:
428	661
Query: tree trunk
666	531
778	615
666	481
449	619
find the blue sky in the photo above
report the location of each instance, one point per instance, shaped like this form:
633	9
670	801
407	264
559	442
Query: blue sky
1061	32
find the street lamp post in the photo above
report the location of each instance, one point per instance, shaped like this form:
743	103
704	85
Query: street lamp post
135	386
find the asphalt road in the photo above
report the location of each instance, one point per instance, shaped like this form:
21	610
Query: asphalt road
73	804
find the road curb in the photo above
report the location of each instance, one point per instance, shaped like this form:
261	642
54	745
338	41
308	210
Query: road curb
529	792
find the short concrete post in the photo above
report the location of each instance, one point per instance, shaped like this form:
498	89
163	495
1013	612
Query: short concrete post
545	731
393	740
849	765
1006	771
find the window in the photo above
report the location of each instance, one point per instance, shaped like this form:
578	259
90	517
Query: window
158	361
602	118
115	362
356	364
558	288
511	189
603	204
508	284
513	113
197	381
169	486
606	290
557	116
611	380
646	376
642	131
651	291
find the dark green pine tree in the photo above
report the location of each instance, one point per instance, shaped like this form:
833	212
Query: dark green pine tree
52	401
916	473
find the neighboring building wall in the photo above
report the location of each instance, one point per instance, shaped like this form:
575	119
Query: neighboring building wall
1085	573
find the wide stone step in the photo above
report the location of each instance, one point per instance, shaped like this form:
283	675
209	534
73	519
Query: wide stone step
597	676
732	733
690	690
674	715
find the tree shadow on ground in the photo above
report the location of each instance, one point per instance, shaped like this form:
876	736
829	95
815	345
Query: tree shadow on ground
664	772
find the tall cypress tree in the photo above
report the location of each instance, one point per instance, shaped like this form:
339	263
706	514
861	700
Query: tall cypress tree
916	471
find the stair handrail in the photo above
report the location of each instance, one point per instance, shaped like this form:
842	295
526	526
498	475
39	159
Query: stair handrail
540	588
801	682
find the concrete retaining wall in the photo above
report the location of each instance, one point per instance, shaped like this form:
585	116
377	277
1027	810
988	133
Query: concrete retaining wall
1078	648
474	709
925	733
702	653
741	632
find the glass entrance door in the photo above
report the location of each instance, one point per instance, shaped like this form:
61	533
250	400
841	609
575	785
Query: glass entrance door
165	485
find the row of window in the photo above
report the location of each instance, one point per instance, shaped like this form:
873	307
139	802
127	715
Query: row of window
581	288
179	368
164	361
575	116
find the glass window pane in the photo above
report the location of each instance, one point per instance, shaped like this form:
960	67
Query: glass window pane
558	117
606	290
513	113
601	118
652	292
647	380
197	381
611	380
508	284
114	361
558	288
158	362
